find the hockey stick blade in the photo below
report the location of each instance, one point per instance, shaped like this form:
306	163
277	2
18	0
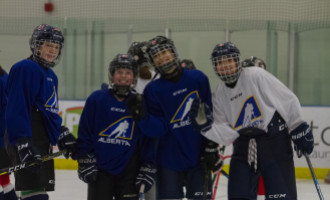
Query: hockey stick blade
25	165
318	189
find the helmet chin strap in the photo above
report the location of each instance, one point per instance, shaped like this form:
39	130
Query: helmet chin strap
42	62
175	75
121	91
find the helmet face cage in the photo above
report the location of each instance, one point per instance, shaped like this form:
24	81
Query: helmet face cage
224	54
161	46
52	37
227	73
123	61
37	54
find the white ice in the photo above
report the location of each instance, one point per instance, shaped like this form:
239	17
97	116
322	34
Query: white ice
69	187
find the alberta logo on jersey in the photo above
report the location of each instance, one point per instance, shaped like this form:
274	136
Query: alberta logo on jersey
180	117
52	102
118	132
250	114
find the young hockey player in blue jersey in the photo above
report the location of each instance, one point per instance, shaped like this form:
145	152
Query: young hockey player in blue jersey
261	116
182	151
32	120
7	191
114	157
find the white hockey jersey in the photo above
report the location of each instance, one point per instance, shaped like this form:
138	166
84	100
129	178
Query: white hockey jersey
251	103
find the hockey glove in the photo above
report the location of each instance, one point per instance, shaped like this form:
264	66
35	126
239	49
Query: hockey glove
136	107
87	169
303	139
28	153
66	141
146	176
210	157
201	116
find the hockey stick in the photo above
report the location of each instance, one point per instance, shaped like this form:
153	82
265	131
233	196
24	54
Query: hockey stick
318	189
206	182
141	192
215	187
223	172
25	165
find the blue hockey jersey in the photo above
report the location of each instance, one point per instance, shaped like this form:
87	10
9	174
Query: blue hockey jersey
107	130
179	145
31	86
3	102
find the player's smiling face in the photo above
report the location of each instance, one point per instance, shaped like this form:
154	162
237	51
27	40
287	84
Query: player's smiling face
226	65
49	51
123	76
163	57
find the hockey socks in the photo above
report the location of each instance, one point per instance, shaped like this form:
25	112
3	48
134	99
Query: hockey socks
7	191
34	195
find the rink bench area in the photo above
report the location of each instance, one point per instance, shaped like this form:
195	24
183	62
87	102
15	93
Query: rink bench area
301	172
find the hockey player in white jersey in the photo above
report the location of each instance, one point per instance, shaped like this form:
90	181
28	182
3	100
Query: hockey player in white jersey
262	143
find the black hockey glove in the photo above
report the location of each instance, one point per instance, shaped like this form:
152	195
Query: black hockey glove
303	139
210	157
201	116
66	141
28	153
146	176
87	169
136	107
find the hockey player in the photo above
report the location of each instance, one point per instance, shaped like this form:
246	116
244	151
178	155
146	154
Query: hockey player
32	120
261	116
7	191
145	75
187	64
182	151
114	157
254	61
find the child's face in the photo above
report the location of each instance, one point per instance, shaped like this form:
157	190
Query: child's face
226	65
123	76
163	57
49	51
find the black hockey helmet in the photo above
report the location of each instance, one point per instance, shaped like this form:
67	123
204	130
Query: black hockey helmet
158	45
254	61
123	61
187	64
43	33
224	51
135	50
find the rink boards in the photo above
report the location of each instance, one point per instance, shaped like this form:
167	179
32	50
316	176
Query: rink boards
317	117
